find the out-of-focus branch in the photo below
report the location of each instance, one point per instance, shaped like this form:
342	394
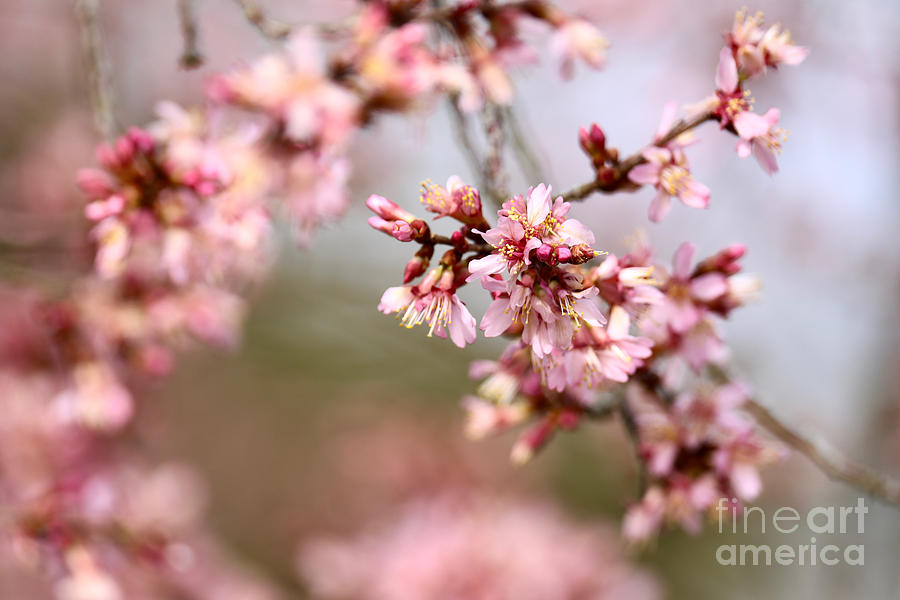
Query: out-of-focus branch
618	177
829	460
269	28
477	162
492	120
525	154
191	57
97	65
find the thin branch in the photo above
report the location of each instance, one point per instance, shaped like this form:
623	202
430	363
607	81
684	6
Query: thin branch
97	65
619	175
525	154
829	460
191	58
269	28
477	163
492	120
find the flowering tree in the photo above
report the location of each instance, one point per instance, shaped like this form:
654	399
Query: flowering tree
182	214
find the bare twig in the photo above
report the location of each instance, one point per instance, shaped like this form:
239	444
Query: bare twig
619	175
97	65
525	154
269	28
829	460
492	120
477	163
191	58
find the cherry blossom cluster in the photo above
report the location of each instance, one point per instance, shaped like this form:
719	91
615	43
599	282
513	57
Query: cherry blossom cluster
749	51
627	336
181	216
317	91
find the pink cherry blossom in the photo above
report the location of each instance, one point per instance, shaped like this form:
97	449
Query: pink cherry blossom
434	301
578	39
760	136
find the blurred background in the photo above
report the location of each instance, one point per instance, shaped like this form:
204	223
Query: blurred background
329	416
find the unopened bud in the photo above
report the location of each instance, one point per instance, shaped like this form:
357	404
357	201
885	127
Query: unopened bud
94	182
581	253
142	140
418	263
381	225
544	254
532	440
402	231
593	140
387	210
563	254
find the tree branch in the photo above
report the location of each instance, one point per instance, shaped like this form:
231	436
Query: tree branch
619	175
829	460
525	154
191	58
269	28
97	65
476	162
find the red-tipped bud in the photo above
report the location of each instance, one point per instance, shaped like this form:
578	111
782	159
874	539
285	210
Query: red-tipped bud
563	254
545	254
593	140
532	440
725	260
418	263
142	140
94	182
106	156
124	149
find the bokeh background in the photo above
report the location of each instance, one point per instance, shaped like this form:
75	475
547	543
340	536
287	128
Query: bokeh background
329	416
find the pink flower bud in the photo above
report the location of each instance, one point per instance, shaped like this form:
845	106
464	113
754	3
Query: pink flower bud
532	440
563	254
381	225
124	149
386	209
106	156
593	140
544	253
141	139
415	267
94	182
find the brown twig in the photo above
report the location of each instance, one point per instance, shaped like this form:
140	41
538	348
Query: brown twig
97	65
829	460
525	154
477	163
269	28
191	58
619	176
